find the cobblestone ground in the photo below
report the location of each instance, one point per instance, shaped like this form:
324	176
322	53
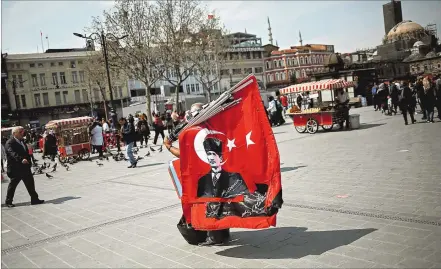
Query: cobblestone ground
353	199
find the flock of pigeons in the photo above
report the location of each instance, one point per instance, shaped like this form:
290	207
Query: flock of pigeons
116	157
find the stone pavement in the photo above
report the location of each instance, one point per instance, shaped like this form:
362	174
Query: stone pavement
353	199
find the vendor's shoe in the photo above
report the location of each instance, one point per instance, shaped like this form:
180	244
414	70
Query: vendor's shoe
10	205
37	202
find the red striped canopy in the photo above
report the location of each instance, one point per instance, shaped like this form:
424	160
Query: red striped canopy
71	121
327	84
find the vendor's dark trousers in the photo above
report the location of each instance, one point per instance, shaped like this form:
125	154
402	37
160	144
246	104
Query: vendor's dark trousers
144	137
28	180
118	143
411	112
157	133
430	112
99	149
219	236
423	109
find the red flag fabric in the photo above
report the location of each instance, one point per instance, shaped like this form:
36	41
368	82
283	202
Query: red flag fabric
230	166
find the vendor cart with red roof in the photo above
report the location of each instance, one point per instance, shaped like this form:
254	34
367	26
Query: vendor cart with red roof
72	137
309	120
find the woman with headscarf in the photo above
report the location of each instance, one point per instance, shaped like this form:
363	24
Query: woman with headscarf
429	99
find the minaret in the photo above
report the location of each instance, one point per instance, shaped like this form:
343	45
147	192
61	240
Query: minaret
270	34
300	36
277	43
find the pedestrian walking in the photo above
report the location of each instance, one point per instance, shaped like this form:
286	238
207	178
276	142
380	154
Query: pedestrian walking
158	126
429	99
19	167
407	103
144	131
374	96
129	138
438	95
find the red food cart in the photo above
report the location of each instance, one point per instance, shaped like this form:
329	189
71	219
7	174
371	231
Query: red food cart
310	119
72	137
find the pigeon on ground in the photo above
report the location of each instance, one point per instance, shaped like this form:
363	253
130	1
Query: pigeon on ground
148	154
160	149
67	167
152	149
48	176
107	158
54	168
99	164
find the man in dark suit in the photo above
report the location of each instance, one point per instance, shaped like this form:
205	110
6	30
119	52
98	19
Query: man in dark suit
218	182
19	167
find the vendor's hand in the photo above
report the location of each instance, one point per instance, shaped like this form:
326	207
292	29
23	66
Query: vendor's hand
167	142
25	161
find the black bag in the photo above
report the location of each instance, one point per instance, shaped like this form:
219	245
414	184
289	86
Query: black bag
192	236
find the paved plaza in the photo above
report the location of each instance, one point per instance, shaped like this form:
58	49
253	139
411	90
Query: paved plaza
365	198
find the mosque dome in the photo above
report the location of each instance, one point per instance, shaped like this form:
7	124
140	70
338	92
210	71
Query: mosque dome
405	30
333	59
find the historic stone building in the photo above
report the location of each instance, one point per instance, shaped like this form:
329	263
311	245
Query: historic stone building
299	61
54	85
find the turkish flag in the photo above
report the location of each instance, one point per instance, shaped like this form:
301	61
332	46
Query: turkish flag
230	166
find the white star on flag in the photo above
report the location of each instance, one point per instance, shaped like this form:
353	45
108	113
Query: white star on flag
231	144
248	138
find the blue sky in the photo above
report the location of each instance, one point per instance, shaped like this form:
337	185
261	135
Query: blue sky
346	24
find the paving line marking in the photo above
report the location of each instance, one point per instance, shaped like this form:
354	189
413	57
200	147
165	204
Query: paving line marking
87	229
365	214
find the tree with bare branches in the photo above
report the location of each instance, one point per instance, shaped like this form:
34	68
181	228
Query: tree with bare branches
137	54
178	22
209	54
96	77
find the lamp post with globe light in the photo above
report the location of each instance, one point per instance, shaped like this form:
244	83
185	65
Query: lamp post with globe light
102	39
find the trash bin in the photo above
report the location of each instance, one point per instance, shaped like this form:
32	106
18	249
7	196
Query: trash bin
354	121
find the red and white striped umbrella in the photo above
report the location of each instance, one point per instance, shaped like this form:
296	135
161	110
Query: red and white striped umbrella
327	84
64	122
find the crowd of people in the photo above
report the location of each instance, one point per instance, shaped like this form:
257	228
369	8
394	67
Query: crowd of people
405	96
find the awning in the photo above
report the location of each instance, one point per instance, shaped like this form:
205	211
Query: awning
71	121
327	84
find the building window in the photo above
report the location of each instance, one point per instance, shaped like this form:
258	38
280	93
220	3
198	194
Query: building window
115	92
248	71
74	77
52	64
197	87
65	97
301	60
57	98
45	99
42	80
40	65
77	96
295	61
20	81
37	100
268	65
120	91
18	66
277	77
62	78
268	77
34	80
80	62
258	70
192	88
72	64
304	73
313	60
257	55
85	95
60	63
17	101
187	87
237	71
81	76
32	65
275	63
96	95
54	79
23	101
283	76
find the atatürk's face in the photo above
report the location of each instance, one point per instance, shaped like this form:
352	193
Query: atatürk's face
214	160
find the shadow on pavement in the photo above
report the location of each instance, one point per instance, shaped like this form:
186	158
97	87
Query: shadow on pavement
278	133
287	169
288	242
150	164
56	201
368	126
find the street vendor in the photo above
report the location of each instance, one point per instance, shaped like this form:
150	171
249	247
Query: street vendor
213	237
342	108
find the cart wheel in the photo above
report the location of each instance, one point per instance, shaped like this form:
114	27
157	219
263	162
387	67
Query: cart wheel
62	159
300	129
312	126
84	154
327	127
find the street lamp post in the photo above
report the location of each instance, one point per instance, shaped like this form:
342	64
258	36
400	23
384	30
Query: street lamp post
102	37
